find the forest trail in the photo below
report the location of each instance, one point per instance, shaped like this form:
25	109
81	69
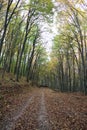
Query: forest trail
45	109
9	124
43	116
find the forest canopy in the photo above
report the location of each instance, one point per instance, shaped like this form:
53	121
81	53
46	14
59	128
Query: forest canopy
24	53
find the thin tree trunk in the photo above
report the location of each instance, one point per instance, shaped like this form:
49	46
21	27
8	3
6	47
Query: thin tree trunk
7	21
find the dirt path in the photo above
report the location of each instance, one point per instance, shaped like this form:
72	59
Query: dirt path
43	116
10	123
45	109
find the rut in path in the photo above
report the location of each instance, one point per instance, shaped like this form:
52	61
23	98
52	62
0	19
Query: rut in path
10	123
43	117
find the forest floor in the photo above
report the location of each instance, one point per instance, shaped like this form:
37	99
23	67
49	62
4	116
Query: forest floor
32	108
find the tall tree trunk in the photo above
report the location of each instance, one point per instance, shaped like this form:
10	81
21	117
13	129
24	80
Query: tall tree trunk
31	57
7	21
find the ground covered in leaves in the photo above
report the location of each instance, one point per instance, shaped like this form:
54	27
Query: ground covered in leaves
67	111
32	108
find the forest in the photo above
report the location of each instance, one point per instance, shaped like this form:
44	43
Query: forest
43	55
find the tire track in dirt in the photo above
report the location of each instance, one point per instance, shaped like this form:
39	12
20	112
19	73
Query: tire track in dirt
11	122
29	120
43	116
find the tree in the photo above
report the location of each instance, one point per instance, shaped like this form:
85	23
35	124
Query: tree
8	17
